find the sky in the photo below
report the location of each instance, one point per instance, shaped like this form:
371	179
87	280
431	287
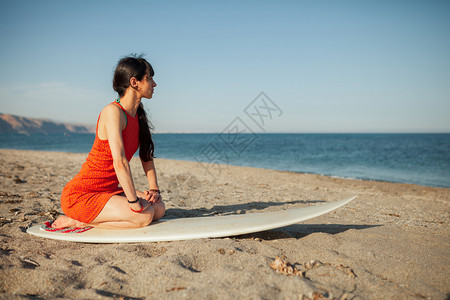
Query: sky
297	66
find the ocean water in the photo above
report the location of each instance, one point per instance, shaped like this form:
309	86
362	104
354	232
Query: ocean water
410	158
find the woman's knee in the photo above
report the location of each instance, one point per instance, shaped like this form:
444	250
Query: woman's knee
160	209
144	218
152	213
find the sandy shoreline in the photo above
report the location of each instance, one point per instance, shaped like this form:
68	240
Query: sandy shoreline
392	242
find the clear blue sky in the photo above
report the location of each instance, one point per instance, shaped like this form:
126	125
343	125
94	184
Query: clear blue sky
330	66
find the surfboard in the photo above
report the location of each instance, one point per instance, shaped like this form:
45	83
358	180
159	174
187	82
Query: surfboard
195	228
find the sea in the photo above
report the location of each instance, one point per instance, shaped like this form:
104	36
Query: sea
422	159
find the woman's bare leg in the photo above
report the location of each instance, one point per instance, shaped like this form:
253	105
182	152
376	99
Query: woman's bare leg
160	209
117	214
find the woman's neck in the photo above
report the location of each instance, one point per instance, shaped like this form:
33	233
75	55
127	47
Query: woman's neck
130	103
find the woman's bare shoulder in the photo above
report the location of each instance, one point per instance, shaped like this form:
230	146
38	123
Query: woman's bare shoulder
111	110
111	115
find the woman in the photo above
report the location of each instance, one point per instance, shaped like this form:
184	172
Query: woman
93	197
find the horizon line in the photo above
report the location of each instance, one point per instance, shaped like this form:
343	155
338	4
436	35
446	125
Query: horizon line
308	132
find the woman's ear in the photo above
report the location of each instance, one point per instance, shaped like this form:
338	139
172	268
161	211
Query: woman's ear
133	82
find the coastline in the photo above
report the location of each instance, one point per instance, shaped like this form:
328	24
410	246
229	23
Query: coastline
394	237
415	158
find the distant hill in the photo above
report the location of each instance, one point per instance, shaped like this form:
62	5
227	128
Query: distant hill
17	124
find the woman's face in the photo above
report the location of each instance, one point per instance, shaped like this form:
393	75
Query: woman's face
147	86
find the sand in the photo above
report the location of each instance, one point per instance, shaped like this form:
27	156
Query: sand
392	242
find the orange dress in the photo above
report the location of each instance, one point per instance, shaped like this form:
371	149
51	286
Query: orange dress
84	197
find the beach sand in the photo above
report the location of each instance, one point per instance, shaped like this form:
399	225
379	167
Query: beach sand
392	242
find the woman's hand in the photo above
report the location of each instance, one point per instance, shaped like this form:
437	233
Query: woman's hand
153	196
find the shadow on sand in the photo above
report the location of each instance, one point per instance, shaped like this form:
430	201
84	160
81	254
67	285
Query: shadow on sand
299	231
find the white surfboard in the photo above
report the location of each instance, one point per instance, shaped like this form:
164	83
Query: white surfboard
195	228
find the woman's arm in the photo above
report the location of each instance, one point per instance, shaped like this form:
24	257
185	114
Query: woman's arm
150	172
112	121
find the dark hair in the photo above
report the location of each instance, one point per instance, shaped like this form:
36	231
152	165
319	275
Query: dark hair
136	67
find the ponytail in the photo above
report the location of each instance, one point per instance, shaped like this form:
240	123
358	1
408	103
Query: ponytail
146	146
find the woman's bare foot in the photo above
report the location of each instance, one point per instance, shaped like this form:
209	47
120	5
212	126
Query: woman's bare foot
64	221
